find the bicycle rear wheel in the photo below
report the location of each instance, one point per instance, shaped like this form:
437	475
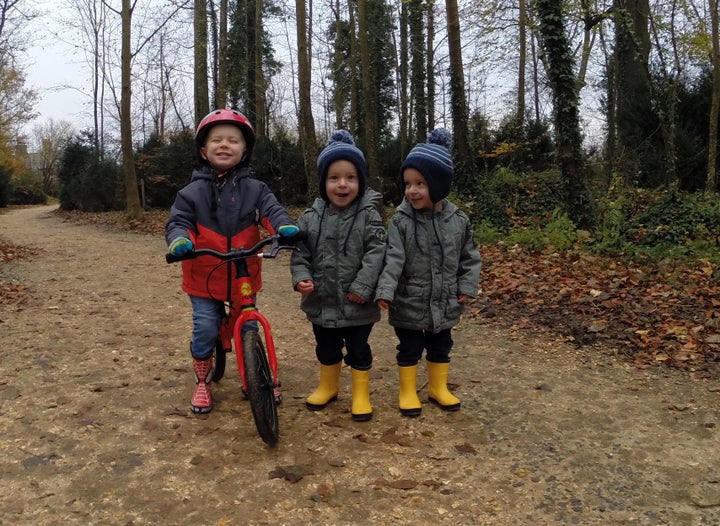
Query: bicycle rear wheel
260	387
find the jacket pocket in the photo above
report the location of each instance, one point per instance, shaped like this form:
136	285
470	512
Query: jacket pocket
311	305
410	303
453	308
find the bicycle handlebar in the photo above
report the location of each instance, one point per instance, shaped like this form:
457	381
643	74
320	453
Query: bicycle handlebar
277	241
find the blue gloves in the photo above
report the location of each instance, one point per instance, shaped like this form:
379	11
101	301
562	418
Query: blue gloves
288	230
180	246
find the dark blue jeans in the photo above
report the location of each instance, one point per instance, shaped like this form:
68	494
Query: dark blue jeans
330	343
206	315
412	343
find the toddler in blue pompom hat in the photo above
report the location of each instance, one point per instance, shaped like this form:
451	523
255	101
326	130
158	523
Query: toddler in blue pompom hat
335	270
432	268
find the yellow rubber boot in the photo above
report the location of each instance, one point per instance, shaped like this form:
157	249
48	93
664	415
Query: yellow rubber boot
437	387
327	391
361	409
408	399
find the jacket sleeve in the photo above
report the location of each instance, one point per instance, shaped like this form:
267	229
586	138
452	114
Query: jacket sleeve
301	259
470	264
394	263
181	222
272	214
372	262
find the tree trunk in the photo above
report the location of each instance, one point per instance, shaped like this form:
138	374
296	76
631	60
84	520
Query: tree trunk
369	102
632	88
307	124
202	100
461	142
338	97
611	134
354	82
430	67
417	65
403	89
522	61
712	185
221	94
260	100
560	65
251	70
133	207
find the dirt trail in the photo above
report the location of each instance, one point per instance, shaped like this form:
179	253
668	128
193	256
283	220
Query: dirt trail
95	429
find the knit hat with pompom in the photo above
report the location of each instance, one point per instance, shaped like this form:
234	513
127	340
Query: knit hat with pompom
341	146
434	161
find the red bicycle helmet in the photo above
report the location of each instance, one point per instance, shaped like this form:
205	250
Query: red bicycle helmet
225	116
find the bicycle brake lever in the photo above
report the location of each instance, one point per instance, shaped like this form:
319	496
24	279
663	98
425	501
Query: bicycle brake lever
275	250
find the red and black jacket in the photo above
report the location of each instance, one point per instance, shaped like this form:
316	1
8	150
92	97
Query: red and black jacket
222	211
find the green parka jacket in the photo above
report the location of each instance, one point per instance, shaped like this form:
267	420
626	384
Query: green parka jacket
343	253
431	259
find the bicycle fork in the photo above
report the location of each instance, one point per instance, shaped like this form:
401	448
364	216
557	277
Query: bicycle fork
250	315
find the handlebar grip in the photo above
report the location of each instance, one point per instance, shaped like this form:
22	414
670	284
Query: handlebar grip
300	236
172	258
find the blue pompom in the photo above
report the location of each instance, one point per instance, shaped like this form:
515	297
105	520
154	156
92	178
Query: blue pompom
440	136
341	136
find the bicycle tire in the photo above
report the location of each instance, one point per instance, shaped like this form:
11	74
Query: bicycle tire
260	388
220	361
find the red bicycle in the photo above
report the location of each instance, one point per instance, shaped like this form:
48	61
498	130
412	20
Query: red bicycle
255	352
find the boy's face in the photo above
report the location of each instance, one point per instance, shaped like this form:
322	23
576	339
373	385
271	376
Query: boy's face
224	146
417	191
342	183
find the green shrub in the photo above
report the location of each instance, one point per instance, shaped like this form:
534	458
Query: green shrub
531	240
5	174
27	189
165	166
675	218
560	232
507	198
486	233
88	182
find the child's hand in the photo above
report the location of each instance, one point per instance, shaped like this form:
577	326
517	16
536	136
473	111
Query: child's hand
288	230
305	287
382	304
355	298
180	246
463	298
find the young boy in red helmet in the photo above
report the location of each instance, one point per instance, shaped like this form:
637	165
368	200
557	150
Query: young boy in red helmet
220	208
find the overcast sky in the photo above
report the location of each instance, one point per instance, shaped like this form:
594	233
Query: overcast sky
55	72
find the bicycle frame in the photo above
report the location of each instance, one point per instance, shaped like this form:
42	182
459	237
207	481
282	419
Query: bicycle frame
249	312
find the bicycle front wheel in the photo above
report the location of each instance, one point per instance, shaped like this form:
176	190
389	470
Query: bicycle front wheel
260	387
220	359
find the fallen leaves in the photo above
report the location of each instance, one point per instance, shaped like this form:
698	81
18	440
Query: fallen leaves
11	292
654	314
